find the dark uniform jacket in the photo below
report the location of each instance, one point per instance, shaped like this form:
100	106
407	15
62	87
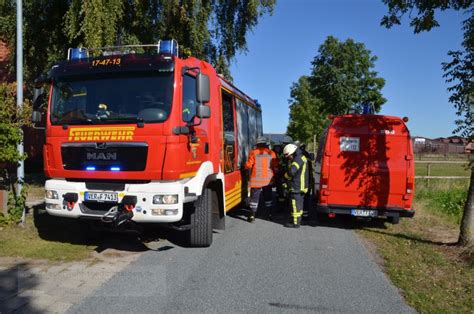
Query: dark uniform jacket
298	173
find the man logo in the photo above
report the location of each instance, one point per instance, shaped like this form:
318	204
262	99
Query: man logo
101	145
101	156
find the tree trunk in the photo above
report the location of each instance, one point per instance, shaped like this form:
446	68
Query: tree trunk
466	235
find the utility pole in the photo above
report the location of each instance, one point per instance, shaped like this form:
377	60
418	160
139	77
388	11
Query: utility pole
19	94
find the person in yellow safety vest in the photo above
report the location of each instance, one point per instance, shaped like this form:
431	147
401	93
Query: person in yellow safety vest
263	165
298	181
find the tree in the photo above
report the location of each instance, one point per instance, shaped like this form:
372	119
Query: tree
458	72
344	79
213	30
307	117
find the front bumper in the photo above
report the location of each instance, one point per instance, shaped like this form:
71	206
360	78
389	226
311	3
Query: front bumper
382	211
144	211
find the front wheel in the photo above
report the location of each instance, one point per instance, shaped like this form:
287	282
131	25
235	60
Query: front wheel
201	219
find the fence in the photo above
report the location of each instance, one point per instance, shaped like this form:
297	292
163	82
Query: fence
428	169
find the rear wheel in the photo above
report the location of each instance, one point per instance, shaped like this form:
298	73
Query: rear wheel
201	234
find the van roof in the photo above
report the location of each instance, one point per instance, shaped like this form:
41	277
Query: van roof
363	123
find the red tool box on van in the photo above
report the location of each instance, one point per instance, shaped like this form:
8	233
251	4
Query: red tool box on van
365	168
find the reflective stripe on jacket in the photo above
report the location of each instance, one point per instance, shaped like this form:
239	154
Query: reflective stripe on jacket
264	164
298	173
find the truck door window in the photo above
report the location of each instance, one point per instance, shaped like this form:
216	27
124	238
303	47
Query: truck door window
189	98
229	131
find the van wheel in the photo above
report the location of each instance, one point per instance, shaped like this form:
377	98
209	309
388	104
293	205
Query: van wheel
201	218
394	220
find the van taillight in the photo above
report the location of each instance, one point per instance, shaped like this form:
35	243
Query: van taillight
409	185
324	182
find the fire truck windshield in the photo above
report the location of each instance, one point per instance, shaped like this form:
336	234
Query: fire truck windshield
111	99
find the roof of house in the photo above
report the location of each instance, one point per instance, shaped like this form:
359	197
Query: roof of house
278	138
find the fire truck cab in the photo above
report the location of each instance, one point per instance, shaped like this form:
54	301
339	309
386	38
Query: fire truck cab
146	138
365	168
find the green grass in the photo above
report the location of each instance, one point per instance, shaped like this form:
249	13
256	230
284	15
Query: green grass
433	277
47	237
445	198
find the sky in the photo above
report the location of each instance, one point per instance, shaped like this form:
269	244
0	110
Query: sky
282	46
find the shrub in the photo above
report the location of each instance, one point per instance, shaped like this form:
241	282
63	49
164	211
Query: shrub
12	121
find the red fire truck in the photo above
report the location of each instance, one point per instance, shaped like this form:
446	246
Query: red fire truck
146	138
365	168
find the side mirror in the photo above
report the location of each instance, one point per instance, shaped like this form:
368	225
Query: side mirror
36	116
203	111
203	89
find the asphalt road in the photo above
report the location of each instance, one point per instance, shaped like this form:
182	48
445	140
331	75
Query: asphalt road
260	267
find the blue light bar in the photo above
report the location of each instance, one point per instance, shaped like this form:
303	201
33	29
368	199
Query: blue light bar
114	168
90	168
77	53
169	47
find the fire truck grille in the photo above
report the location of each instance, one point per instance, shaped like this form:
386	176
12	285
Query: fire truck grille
104	156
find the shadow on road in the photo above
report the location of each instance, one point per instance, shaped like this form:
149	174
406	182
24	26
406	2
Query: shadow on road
412	238
75	231
15	280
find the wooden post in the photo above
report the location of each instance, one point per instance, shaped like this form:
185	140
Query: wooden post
4	201
428	165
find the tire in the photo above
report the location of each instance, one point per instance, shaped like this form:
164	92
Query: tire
394	220
201	219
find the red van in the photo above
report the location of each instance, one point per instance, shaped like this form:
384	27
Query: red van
365	168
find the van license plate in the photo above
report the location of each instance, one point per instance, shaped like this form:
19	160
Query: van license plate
101	197
363	213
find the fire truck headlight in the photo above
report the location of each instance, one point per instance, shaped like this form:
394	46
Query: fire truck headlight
165	199
51	194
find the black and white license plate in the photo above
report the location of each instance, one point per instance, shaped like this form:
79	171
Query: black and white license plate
101	196
364	213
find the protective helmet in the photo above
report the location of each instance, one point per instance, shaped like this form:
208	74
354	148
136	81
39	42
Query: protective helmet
261	140
289	149
297	143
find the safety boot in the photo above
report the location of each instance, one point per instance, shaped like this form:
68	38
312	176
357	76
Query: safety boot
251	218
292	225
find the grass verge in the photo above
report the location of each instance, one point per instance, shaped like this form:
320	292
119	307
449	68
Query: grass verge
46	237
420	257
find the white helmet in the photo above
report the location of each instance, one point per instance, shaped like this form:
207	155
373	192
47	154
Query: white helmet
289	149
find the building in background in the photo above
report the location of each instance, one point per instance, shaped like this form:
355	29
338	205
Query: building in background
441	145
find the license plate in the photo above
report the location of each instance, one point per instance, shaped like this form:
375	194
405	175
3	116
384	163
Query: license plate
363	213
101	197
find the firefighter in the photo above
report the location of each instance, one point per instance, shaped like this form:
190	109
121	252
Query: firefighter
309	194
298	181
281	184
263	165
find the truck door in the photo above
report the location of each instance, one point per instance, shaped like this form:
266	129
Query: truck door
197	139
232	175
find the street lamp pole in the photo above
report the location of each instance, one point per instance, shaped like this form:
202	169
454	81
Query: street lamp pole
19	92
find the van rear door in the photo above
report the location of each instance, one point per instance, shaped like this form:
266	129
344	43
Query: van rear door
347	155
387	163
